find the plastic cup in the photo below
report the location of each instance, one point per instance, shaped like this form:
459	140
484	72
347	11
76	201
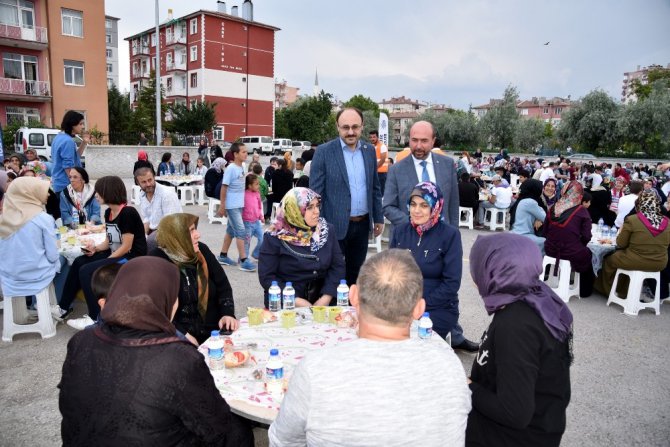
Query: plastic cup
62	230
288	319
72	240
255	316
333	312
319	313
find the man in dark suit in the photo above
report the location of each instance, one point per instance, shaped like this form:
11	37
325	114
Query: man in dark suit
425	166
344	173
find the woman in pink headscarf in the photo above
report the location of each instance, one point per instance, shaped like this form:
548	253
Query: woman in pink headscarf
143	162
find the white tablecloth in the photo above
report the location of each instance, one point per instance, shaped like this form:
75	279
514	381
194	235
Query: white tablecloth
178	180
72	252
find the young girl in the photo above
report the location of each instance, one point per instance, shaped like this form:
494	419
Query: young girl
166	167
252	213
200	168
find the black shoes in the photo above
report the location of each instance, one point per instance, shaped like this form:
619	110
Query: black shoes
467	346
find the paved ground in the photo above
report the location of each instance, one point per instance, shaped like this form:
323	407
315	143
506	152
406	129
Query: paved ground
620	392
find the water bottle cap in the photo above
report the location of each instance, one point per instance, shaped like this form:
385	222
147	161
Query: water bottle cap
274	352
343	281
274	283
426	314
215	333
289	284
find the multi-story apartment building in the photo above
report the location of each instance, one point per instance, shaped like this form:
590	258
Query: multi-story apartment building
285	95
215	57
640	74
51	61
402	104
549	110
112	50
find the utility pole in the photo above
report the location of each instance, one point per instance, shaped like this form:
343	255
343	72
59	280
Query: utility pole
159	130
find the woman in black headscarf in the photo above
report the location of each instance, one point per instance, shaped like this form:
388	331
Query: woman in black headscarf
520	380
132	381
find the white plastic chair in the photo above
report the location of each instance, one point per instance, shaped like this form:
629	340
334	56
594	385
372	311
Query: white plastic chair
564	290
491	218
213	207
187	195
468	221
275	207
16	312
375	242
200	193
632	304
135	195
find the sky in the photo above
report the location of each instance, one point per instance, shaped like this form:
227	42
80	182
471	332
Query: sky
453	52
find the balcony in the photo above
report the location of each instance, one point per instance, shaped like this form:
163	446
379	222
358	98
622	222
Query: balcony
175	90
175	66
18	89
175	39
34	38
141	74
141	50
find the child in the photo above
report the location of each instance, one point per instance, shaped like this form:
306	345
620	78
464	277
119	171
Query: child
200	168
101	283
253	213
258	171
586	200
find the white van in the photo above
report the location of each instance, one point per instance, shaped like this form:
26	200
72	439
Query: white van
281	145
38	139
262	145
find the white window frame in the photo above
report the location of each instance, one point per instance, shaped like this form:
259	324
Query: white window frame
70	17
26	113
192	78
168	35
153	39
19	7
168	59
218	132
72	68
193	29
545	111
108	53
193	53
108	38
558	110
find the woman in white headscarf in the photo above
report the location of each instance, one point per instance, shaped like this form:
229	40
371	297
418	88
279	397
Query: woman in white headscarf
600	201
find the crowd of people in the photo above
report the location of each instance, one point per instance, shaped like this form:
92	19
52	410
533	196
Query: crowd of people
154	291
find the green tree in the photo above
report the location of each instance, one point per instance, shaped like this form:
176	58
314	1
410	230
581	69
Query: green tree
529	133
362	103
198	119
121	115
644	126
10	129
498	126
308	118
591	124
657	78
144	117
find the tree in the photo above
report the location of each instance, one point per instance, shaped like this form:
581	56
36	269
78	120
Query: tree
657	78
144	117
307	119
362	103
529	133
591	125
198	119
644	126
10	130
498	126
120	117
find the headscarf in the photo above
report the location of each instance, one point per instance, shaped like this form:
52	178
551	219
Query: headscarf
503	278
219	164
648	208
174	238
24	199
530	189
431	193
596	182
143	295
78	200
616	192
290	225
142	155
550	201
571	197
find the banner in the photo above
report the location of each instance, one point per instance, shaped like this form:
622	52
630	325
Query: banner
384	129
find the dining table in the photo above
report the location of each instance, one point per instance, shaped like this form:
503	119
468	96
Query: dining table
243	387
600	247
71	241
178	180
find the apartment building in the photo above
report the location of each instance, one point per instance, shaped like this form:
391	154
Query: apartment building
640	74
212	56
550	110
285	95
112	50
51	61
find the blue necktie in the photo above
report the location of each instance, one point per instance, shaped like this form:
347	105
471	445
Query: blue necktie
424	175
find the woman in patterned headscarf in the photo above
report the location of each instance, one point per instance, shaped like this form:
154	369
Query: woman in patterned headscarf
300	248
642	244
437	249
205	296
567	230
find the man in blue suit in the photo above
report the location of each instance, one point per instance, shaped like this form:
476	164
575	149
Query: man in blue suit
344	173
425	166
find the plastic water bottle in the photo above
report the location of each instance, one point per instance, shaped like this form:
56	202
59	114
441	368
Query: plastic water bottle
425	326
288	296
216	354
274	297
343	293
274	374
601	224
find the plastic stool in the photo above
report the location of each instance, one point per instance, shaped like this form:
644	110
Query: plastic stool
493	214
375	242
200	193
632	304
468	221
16	309
514	180
212	208
185	191
564	290
135	195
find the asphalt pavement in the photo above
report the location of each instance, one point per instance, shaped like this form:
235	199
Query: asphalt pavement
620	392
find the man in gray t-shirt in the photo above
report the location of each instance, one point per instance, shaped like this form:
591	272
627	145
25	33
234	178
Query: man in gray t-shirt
384	388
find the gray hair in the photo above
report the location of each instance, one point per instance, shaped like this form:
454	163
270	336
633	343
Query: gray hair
390	284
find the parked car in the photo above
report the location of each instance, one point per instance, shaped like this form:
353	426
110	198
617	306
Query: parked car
281	145
582	157
299	147
261	145
35	138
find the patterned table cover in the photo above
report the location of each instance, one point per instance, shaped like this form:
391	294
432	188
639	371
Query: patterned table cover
598	252
72	252
178	180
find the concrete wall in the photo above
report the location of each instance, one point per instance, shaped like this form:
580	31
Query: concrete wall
119	160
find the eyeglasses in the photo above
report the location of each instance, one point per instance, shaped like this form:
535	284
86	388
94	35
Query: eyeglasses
355	128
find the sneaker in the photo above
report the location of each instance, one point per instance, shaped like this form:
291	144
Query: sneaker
248	266
58	313
225	260
80	323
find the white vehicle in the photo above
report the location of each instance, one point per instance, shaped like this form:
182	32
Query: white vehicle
261	145
37	139
299	147
281	145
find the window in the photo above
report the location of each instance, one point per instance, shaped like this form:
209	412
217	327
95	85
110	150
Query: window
168	60
22	114
110	69
524	112
194	26
108	53
36	139
108	24
153	62
193	103
153	39
558	110
168	35
108	38
545	111
169	84
194	80
194	53
74	72
73	22
17	13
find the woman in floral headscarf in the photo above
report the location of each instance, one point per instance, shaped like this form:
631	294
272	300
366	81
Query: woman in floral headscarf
436	247
301	248
549	193
642	243
618	191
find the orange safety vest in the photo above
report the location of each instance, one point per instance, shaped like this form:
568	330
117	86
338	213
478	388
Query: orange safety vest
378	148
